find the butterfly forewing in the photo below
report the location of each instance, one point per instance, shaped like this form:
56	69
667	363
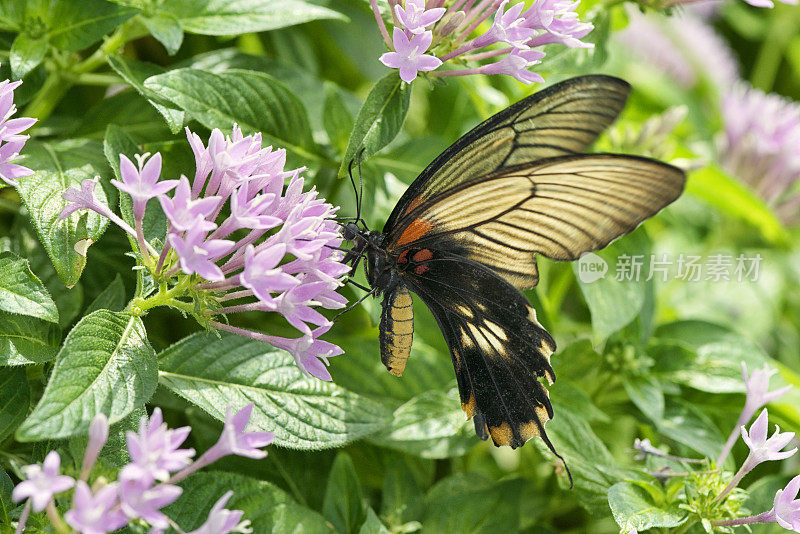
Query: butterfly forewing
558	207
561	120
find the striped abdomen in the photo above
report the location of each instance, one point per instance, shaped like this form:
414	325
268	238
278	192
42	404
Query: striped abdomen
396	329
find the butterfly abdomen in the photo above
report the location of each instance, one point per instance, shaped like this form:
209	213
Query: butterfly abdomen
396	329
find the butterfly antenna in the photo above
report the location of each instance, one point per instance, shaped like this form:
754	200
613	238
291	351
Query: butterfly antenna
355	189
360	188
353	305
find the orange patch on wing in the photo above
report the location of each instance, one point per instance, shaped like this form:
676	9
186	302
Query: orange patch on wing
415	230
414	203
502	435
423	255
469	406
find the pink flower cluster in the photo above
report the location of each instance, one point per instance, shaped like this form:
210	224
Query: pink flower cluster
146	484
428	34
241	234
11	138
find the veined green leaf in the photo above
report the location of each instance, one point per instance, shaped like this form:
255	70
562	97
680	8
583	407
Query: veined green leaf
73	26
302	411
106	365
112	298
379	119
15	398
344	499
22	292
235	17
25	340
269	509
57	166
255	101
26	54
166	30
634	509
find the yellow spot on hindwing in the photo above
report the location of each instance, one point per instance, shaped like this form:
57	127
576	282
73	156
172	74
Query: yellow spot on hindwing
502	435
528	430
469	406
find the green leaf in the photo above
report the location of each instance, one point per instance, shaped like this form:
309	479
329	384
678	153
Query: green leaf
634	509
713	361
372	525
302	411
6	487
106	365
255	101
58	166
685	424
166	30
379	119
469	503
22	292
135	73
235	17
615	303
112	298
336	117
26	340
154	225
114	454
646	394
73	26
270	509
431	425
344	500
719	189
26	54
15	399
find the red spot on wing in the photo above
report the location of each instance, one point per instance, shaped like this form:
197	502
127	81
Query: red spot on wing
423	255
420	269
414	203
402	258
415	230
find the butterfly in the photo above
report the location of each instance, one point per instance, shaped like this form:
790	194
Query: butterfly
465	235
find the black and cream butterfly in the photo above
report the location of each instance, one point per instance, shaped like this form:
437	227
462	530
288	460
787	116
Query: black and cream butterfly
465	234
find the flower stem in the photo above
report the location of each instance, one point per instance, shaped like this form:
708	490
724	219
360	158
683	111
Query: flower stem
764	517
55	519
23	518
139	306
381	24
746	468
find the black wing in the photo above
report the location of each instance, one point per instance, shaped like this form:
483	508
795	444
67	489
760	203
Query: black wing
558	207
563	119
499	349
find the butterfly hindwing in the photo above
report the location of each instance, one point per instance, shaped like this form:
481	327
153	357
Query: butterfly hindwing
498	348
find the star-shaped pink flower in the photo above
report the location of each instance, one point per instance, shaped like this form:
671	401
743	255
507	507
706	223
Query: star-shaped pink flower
409	55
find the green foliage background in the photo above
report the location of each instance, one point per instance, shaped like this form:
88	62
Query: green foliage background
369	452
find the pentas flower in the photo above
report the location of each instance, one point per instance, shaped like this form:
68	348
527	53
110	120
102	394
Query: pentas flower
95	513
142	489
11	138
42	482
769	3
758	395
785	510
762	449
243	235
762	133
683	47
458	34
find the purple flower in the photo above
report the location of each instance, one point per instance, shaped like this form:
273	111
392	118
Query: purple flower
95	513
757	386
11	139
139	499
415	17
310	354
764	449
560	22
197	255
509	27
82	199
98	435
235	440
154	450
516	64
222	521
768	3
409	55
42	482
762	133
263	276
785	510
686	49
142	184
183	212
